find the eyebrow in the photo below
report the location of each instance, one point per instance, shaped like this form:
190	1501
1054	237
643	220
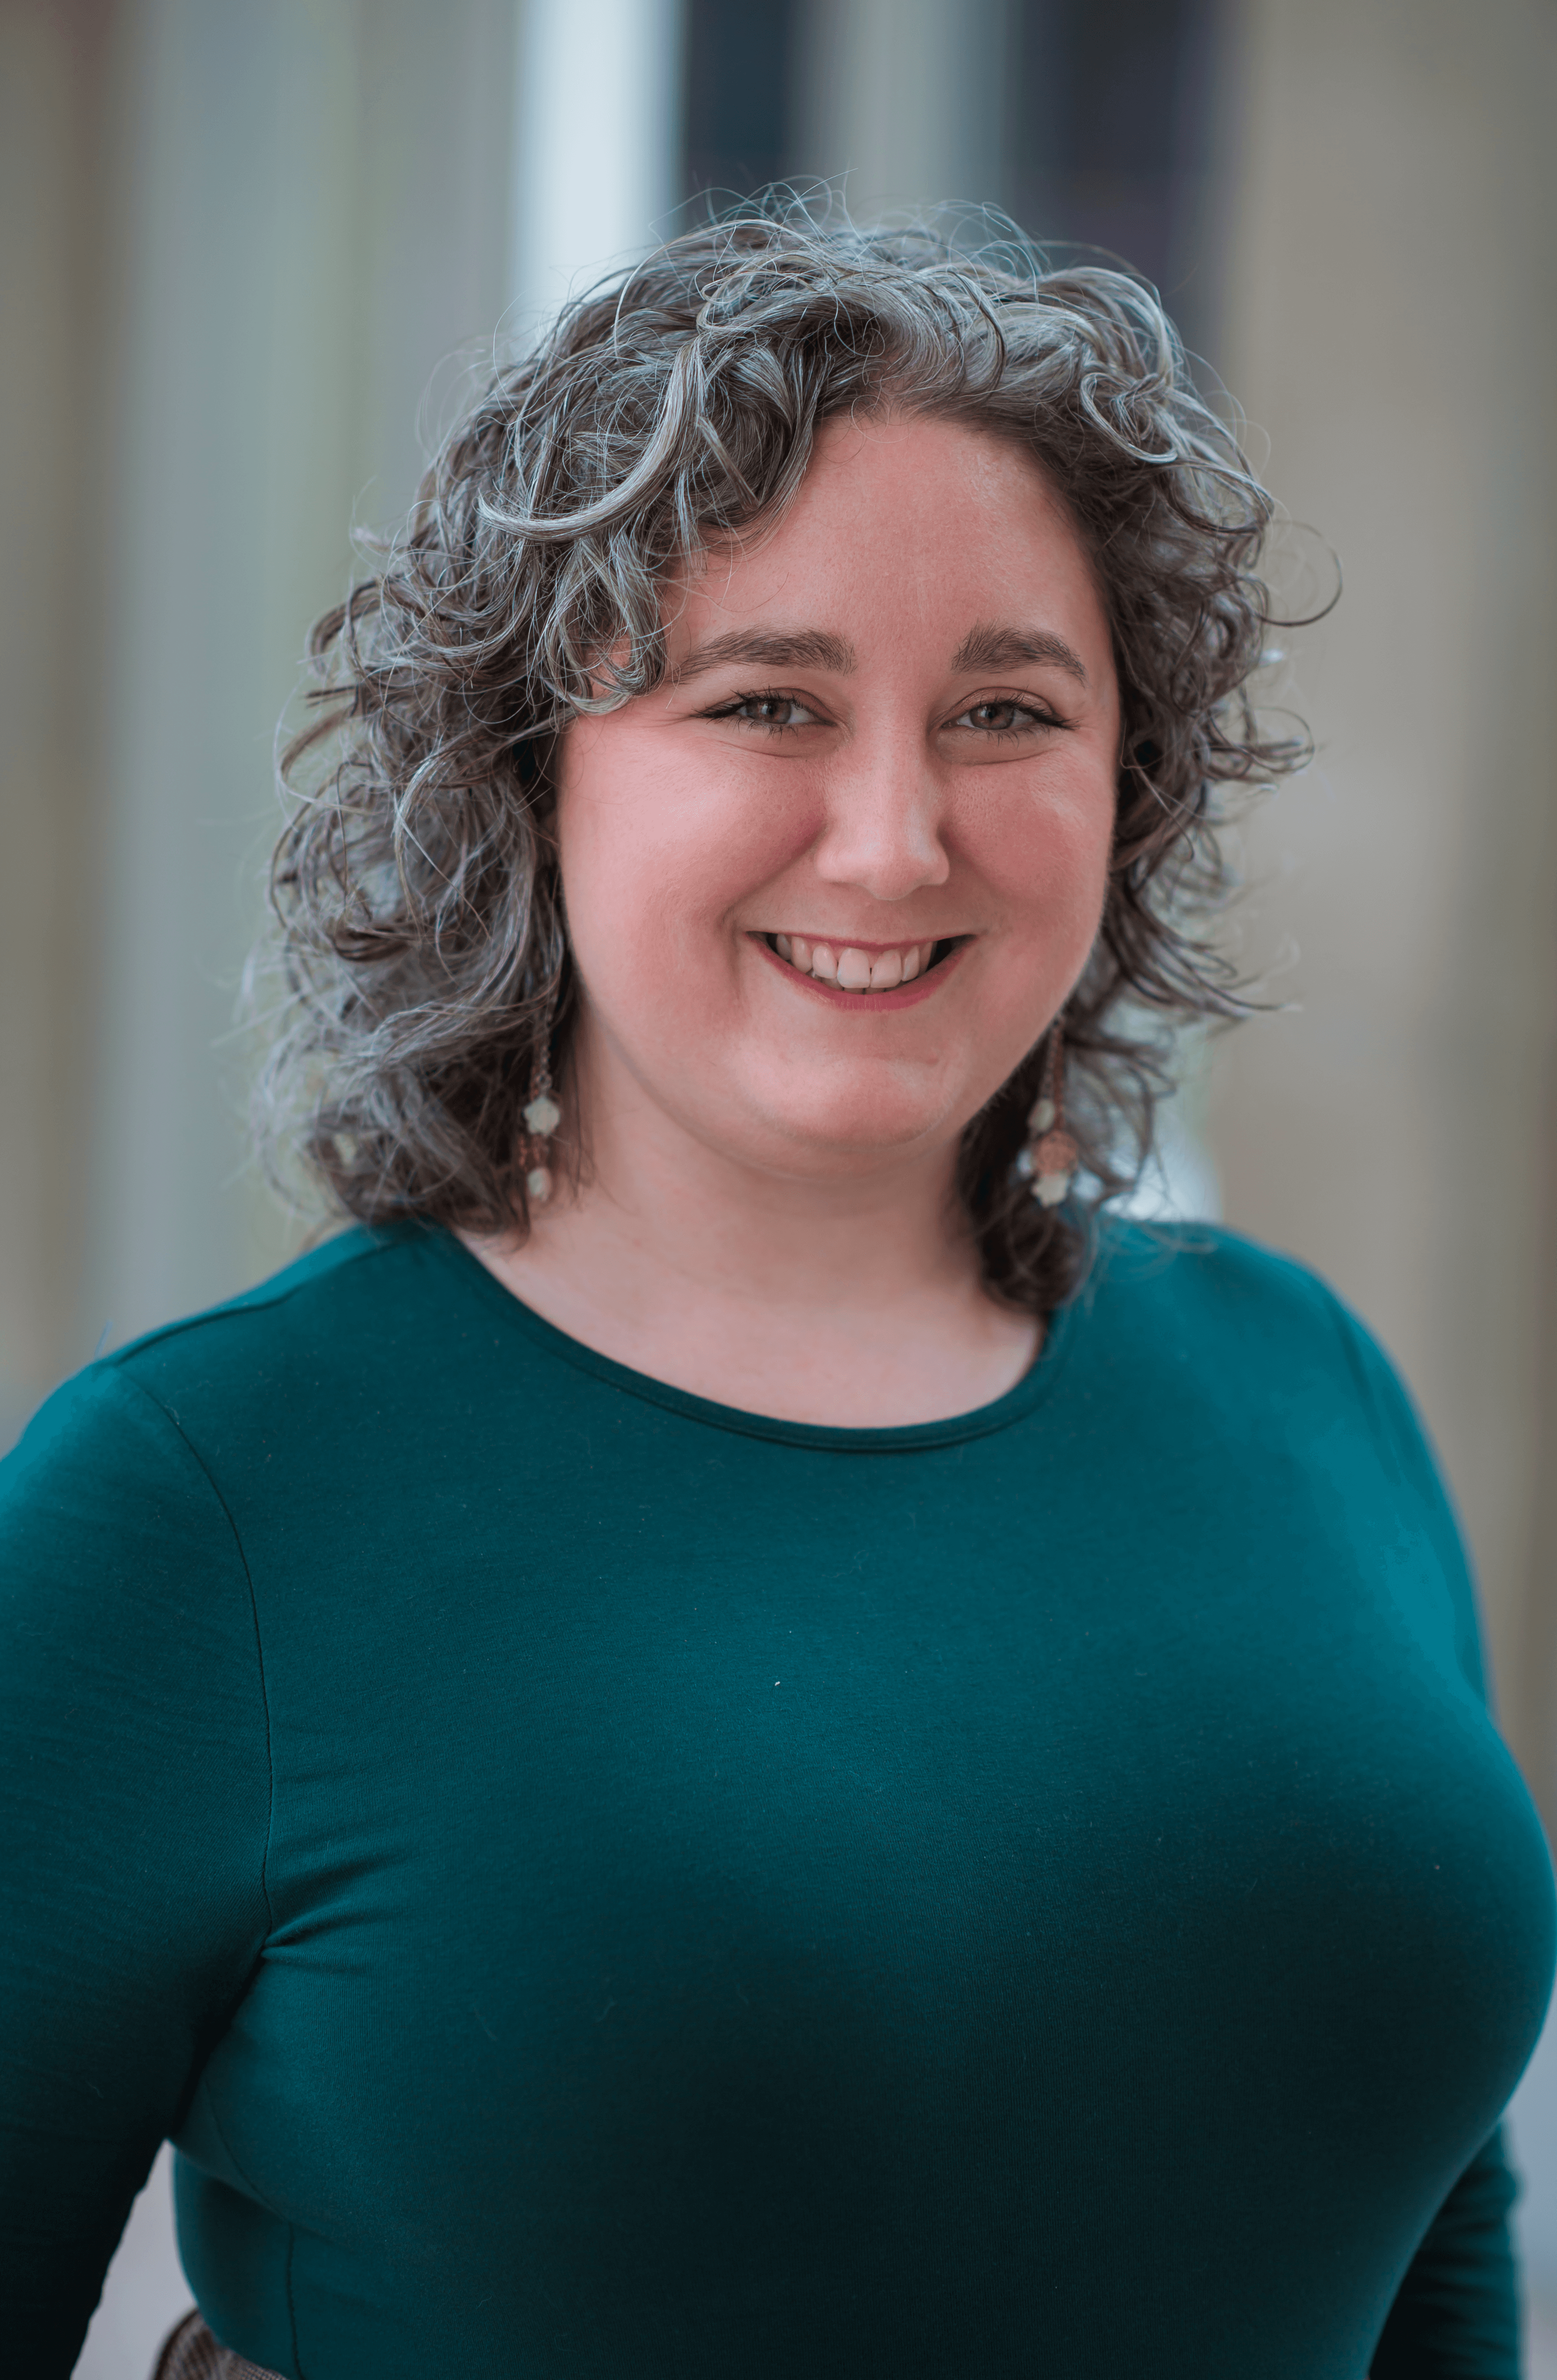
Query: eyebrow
996	648
986	647
798	649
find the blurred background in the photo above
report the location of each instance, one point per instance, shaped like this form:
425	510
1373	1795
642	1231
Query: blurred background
249	253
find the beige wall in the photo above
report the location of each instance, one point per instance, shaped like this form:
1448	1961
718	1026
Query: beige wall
1392	334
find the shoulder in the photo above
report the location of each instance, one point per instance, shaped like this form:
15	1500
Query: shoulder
1199	1296
362	1308
134	1434
1255	1346
1208	1336
359	1282
126	1509
1208	1273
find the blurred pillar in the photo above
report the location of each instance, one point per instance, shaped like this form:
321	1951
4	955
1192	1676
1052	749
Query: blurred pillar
1390	331
598	141
312	209
742	70
903	99
1113	139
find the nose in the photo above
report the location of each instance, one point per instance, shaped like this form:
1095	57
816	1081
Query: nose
883	829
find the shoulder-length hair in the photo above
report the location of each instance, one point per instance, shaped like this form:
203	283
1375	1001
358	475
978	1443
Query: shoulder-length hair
421	932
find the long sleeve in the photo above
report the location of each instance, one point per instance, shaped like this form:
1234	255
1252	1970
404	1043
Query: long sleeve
1456	2316
593	1881
133	1808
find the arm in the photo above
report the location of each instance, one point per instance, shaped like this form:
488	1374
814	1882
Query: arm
1456	2313
134	1803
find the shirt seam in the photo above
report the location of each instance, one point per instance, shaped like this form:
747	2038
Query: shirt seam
292	2302
260	2197
174	1424
254	1301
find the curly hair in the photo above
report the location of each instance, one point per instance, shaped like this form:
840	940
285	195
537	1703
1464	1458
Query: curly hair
421	937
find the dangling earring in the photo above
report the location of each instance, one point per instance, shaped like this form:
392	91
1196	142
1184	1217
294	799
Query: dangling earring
541	1116
1049	1161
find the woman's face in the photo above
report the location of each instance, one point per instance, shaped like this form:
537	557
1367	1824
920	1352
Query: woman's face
884	757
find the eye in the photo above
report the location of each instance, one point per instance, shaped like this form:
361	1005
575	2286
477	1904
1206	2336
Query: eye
776	713
1005	716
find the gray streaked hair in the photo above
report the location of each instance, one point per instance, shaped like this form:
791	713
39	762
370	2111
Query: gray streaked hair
419	932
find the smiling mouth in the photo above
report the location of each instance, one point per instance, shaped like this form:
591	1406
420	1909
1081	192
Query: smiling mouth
853	969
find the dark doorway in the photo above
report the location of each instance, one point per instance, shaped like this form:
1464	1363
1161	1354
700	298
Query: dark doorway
740	68
1109	127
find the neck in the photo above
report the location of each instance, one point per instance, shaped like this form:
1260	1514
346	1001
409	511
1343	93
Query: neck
847	1296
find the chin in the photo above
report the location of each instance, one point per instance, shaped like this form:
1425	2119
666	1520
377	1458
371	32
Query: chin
854	1132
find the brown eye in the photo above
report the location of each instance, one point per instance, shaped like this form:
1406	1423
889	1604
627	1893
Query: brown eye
1009	717
773	710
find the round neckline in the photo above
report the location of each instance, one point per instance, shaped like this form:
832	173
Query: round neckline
1032	1390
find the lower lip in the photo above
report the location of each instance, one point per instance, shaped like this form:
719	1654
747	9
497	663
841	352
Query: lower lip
907	995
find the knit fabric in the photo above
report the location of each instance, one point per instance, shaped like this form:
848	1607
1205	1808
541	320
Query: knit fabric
594	1882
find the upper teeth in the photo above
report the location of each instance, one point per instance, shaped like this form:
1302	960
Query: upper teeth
851	970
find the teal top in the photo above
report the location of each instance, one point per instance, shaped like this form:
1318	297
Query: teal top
596	1882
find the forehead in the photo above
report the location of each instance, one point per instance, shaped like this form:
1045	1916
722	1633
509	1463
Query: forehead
901	519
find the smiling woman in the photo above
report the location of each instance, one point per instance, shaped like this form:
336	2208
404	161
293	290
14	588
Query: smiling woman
735	1736
820	918
644	460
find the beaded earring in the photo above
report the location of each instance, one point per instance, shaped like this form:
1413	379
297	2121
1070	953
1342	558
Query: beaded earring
1049	1159
542	1117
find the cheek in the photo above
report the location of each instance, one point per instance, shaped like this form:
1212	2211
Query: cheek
1048	856
621	840
656	851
